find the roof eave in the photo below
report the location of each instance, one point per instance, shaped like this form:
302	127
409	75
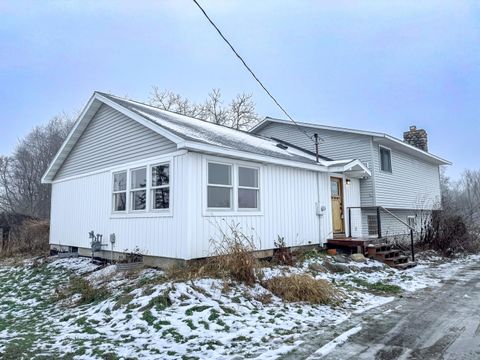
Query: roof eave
438	160
222	151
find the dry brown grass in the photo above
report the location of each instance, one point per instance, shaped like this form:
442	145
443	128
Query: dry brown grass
28	239
305	288
233	256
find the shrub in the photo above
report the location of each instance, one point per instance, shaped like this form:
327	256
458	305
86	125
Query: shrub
282	254
303	288
448	233
233	256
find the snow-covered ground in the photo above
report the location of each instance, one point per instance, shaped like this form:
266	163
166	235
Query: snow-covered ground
146	317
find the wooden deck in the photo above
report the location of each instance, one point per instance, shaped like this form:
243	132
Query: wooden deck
358	245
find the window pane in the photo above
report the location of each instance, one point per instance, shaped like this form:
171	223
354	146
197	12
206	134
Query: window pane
219	174
219	197
385	159
139	200
120	181
247	198
119	201
247	177
139	178
161	198
160	175
334	188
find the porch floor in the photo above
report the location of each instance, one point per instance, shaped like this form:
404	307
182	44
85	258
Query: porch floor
352	244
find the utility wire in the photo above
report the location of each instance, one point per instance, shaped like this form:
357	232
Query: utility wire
251	71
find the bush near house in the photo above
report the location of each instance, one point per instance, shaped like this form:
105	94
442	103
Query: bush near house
449	233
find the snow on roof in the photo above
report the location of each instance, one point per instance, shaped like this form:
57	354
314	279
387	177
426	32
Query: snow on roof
196	130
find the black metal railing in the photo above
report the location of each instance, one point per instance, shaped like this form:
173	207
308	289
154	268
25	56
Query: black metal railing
378	210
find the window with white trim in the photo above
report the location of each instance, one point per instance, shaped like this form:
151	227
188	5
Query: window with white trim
385	159
138	192
248	188
160	187
219	186
120	191
232	186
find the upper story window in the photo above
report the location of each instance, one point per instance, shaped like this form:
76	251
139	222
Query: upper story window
219	187
120	191
248	188
160	187
385	159
232	187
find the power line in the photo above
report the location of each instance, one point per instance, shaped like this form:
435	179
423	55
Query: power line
251	71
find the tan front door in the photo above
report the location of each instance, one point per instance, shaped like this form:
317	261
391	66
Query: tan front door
337	205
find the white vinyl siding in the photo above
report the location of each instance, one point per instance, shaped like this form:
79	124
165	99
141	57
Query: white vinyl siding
111	139
288	203
414	183
335	145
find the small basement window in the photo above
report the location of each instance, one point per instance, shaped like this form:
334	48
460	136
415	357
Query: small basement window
120	191
219	187
372	224
160	187
385	159
248	188
138	192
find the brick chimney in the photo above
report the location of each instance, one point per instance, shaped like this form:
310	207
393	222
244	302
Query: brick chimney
416	137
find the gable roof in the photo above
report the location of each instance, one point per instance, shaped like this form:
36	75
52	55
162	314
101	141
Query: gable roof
192	134
382	137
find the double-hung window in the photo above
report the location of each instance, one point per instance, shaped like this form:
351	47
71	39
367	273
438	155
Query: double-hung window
232	187
385	159
138	192
219	187
160	188
120	191
248	188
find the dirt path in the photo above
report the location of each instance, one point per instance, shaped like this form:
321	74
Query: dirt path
438	323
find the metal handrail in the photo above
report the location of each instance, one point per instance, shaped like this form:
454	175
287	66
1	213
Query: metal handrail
379	223
396	217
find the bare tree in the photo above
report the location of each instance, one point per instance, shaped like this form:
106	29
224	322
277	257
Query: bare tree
240	114
21	190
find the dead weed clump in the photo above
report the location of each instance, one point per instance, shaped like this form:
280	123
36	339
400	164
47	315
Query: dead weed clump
233	256
80	286
30	238
304	288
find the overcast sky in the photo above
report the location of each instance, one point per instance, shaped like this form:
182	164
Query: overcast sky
364	64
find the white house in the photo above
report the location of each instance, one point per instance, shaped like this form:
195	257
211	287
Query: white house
167	184
404	186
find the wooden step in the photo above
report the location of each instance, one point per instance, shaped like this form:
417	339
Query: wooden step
383	255
402	259
405	266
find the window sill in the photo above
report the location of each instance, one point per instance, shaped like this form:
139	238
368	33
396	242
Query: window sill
142	215
230	213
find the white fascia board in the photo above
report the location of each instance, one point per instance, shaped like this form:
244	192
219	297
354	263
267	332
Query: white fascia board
49	175
231	153
259	125
420	151
142	120
46	179
349	166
